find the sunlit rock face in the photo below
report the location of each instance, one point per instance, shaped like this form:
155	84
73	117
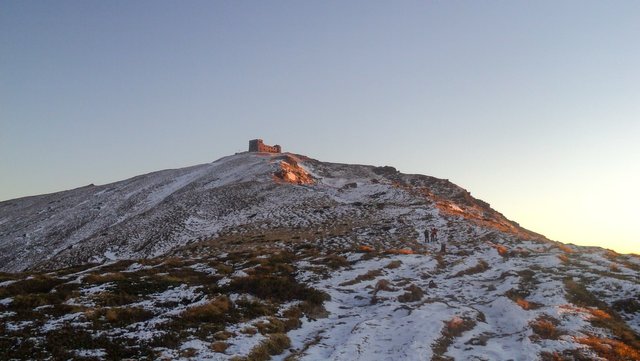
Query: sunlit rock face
291	172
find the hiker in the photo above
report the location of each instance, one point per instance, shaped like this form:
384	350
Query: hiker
426	235
434	234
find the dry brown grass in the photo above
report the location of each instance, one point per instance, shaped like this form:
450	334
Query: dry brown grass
612	350
224	269
610	254
566	355
250	308
452	329
273	280
335	261
313	310
32	300
442	263
455	326
527	305
520	252
249	331
111	315
383	285
594	313
370	275
502	250
480	267
545	327
104	278
35	284
223	335
274	345
114	298
524	304
188	353
399	251
564	248
519	295
394	264
366	249
270	325
174	262
597	313
602	315
413	294
275	287
548	356
563	258
628	305
121	316
213	311
219	346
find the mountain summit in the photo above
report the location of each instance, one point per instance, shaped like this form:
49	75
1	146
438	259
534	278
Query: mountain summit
244	195
261	254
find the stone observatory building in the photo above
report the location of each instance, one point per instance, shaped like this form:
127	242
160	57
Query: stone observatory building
257	145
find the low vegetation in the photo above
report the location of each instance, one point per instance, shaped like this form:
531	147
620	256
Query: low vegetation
275	344
604	317
610	349
453	328
218	300
413	294
480	267
370	275
563	258
545	327
394	264
55	316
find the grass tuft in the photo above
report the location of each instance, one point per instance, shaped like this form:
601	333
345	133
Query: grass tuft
480	267
452	329
413	294
545	327
603	316
275	344
394	264
219	346
212	311
370	275
611	350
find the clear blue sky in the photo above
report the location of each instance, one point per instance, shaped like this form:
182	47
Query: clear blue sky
532	106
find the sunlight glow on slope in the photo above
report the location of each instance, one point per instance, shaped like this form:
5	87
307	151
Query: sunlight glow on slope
595	209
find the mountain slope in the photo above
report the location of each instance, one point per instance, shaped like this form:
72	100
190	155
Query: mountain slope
496	297
244	194
259	256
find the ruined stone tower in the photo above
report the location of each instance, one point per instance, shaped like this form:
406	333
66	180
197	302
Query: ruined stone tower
257	145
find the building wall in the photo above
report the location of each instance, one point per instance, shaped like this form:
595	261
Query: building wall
257	145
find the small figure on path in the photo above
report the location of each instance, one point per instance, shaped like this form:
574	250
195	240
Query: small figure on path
434	234
426	235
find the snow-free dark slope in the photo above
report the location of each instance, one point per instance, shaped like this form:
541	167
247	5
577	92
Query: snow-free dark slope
277	255
249	194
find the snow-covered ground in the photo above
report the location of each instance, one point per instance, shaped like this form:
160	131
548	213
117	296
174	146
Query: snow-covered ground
153	214
356	233
473	302
369	323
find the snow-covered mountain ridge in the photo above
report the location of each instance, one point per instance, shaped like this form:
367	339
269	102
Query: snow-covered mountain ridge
259	256
150	215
